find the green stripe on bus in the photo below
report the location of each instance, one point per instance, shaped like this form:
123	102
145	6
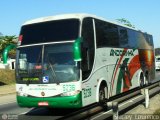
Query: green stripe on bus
55	102
113	75
119	82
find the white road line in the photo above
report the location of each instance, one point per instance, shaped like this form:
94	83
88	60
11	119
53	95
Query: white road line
23	113
8	103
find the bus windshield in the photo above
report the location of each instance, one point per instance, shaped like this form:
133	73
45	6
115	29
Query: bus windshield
52	63
50	31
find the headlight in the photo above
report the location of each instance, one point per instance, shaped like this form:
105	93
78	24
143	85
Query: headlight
70	93
22	94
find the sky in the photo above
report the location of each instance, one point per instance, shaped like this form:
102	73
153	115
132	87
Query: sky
143	14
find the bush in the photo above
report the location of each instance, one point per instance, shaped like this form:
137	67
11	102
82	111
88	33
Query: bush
7	77
157	112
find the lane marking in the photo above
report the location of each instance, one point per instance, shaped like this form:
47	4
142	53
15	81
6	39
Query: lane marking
8	103
23	113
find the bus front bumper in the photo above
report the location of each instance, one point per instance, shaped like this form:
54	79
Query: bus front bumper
55	102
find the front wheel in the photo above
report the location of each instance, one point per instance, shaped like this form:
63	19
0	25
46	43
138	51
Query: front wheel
102	94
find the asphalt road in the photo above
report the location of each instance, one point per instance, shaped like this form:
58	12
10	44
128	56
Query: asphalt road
10	110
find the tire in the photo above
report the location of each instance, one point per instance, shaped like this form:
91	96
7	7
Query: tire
102	94
142	80
148	78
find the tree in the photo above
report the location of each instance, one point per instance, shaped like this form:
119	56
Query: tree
125	22
6	40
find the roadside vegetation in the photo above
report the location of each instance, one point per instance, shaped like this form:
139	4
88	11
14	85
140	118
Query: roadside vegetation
5	41
157	112
7	76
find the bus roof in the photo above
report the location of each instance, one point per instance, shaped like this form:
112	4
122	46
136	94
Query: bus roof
56	17
76	15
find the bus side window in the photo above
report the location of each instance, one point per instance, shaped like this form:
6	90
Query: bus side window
149	39
87	47
123	37
106	34
127	38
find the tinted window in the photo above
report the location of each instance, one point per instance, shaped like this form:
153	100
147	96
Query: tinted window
54	61
132	39
59	64
127	38
106	34
149	39
88	47
28	59
59	30
145	41
123	37
141	40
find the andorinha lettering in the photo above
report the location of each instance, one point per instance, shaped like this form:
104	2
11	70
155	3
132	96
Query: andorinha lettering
121	52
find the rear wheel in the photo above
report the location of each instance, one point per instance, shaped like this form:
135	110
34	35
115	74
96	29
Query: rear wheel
148	78
142	80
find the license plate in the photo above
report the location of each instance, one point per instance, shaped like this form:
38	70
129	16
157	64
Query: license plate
43	104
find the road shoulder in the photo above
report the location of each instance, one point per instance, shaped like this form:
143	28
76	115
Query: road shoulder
7	89
7	94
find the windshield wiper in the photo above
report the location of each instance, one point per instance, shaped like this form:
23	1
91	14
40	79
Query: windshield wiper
28	82
53	71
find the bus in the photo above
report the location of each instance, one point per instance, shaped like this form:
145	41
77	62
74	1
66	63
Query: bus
74	60
157	58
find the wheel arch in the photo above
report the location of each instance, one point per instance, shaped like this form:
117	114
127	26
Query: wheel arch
146	75
101	82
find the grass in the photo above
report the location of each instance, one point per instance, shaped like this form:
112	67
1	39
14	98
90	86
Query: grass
7	77
157	112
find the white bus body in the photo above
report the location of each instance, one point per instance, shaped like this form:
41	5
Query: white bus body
74	60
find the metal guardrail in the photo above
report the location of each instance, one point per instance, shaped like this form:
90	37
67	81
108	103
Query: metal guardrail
115	105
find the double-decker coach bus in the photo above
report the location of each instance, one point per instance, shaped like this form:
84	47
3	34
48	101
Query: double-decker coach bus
74	60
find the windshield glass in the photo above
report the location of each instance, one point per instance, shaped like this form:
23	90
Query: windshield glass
46	64
50	31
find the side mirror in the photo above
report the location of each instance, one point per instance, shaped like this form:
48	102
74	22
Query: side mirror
77	49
